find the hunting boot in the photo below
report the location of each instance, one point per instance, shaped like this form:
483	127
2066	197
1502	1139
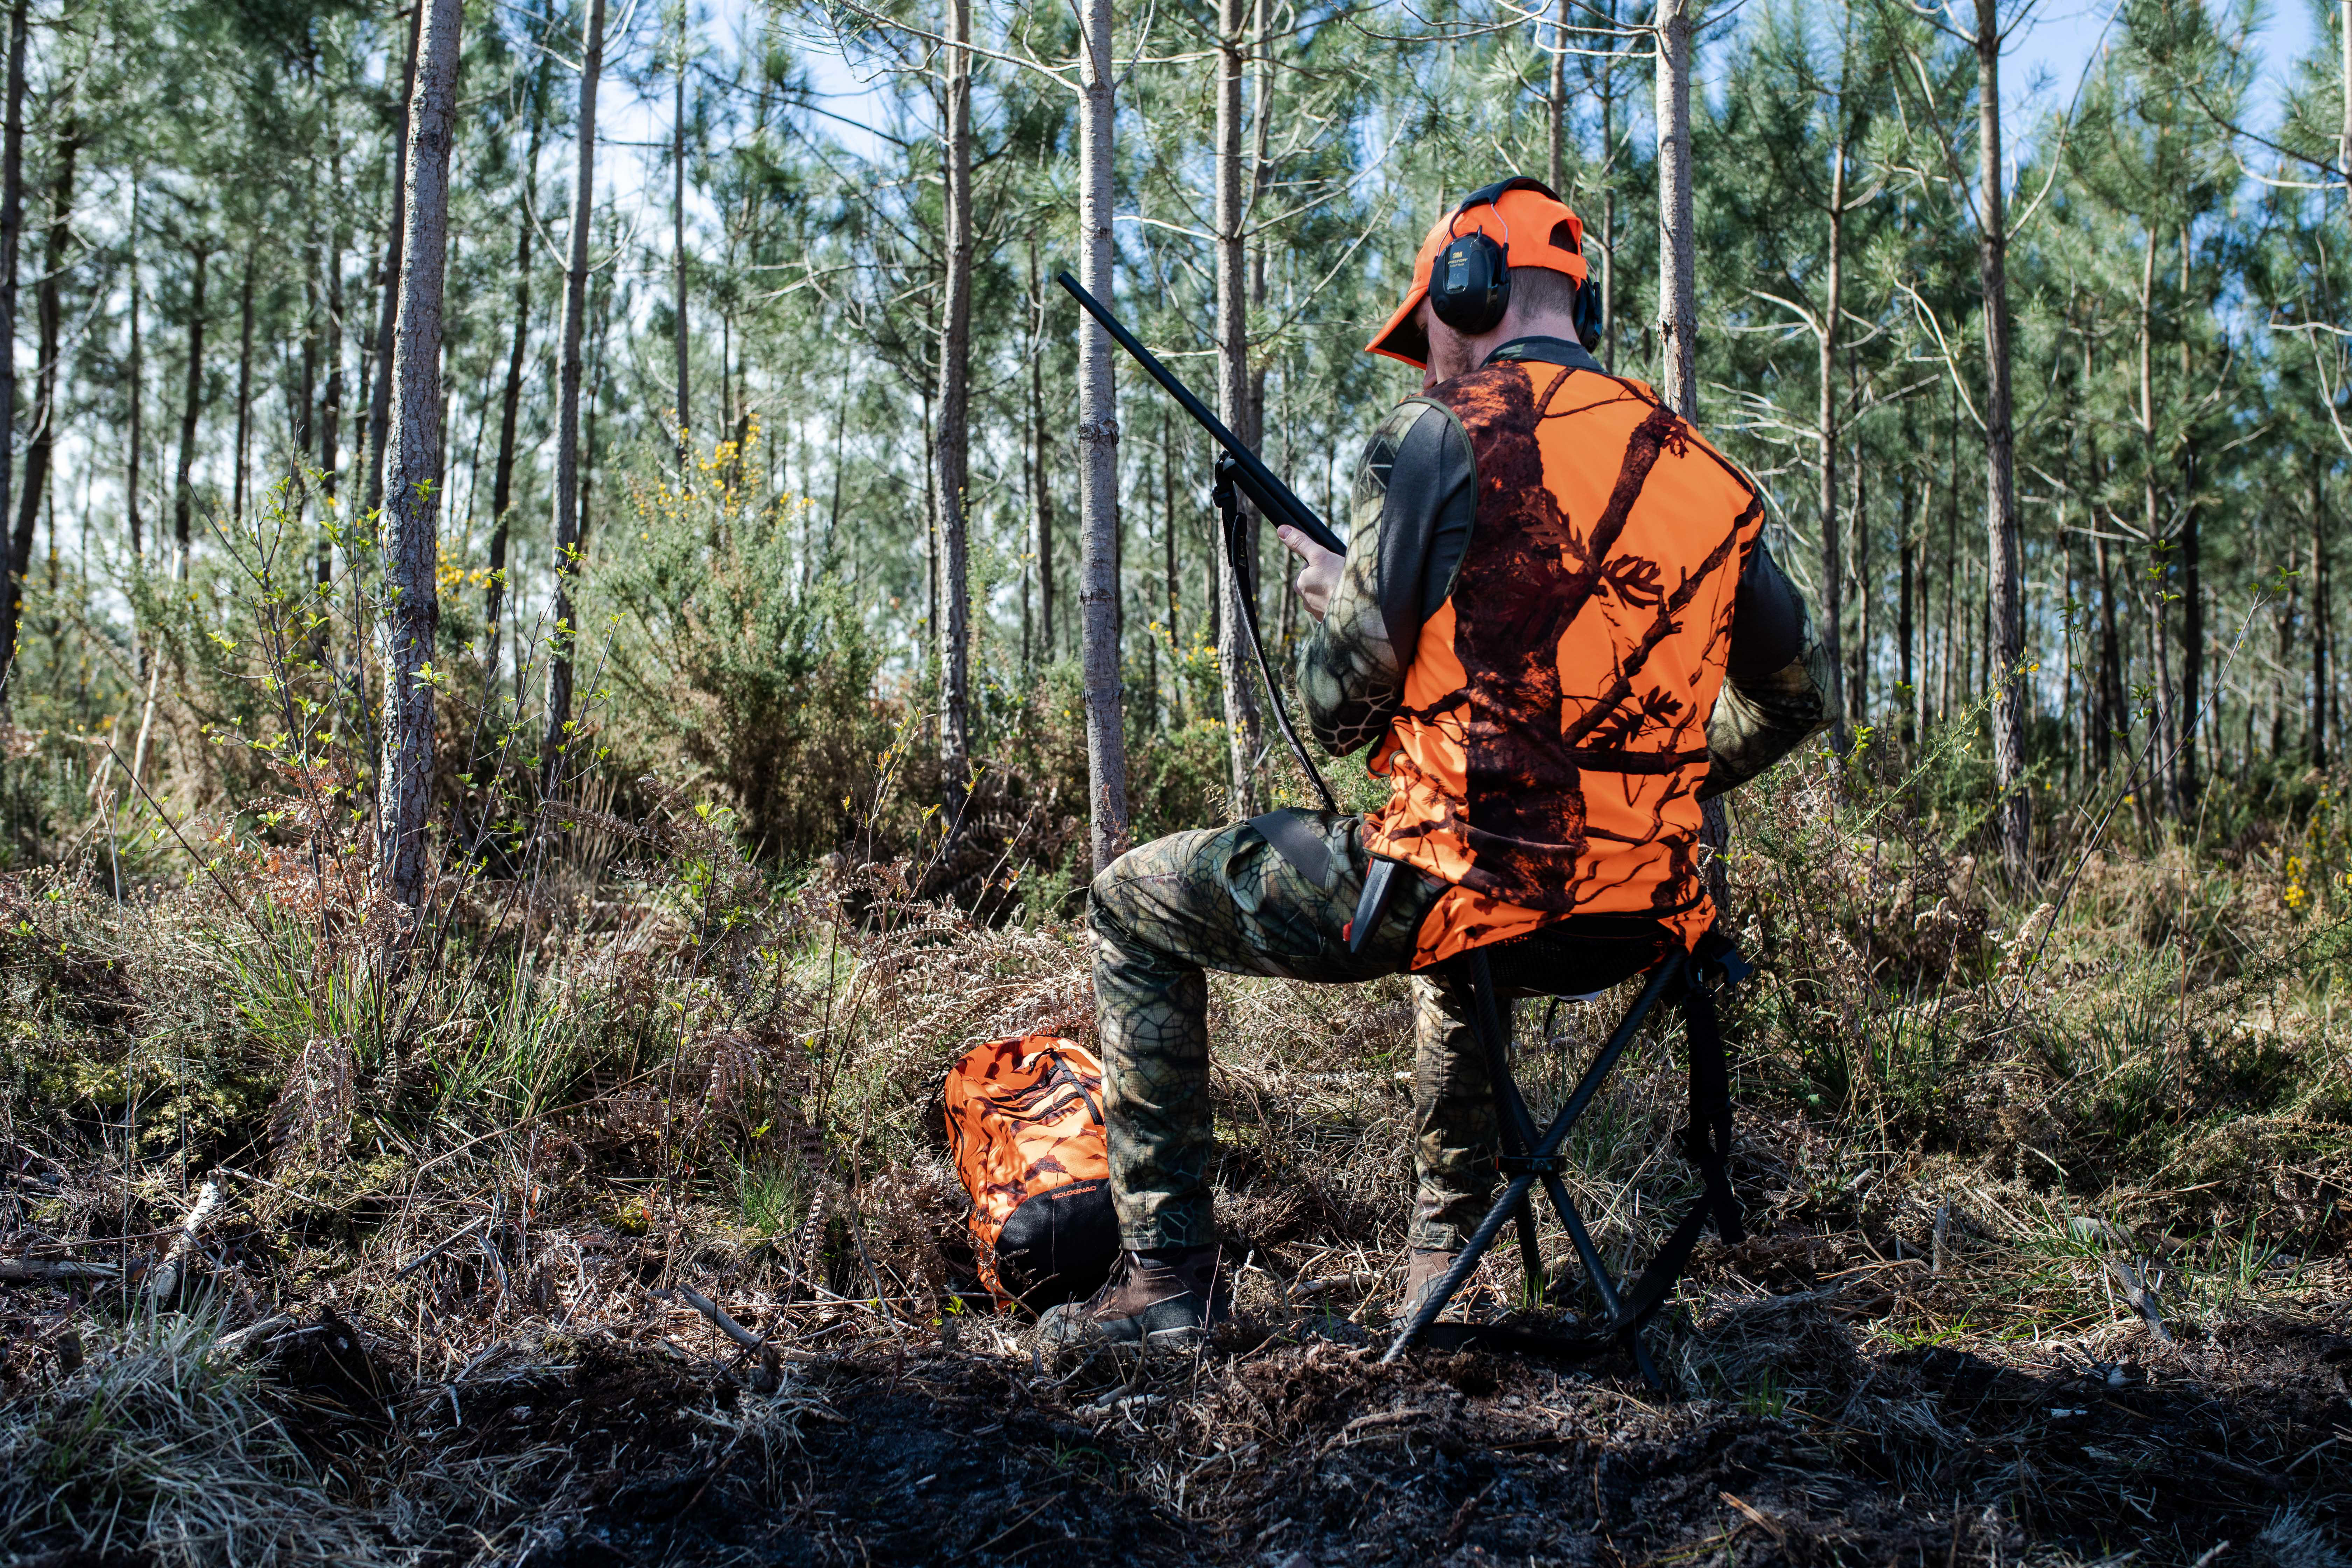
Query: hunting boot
1424	1270
1165	1298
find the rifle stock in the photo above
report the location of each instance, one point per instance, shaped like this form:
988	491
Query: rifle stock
1254	478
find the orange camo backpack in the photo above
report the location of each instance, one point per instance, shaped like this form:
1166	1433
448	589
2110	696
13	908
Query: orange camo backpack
1026	1129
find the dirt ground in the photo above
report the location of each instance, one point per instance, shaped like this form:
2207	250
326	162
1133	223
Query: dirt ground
1288	1444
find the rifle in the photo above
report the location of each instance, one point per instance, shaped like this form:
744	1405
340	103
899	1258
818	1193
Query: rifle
1254	478
1237	468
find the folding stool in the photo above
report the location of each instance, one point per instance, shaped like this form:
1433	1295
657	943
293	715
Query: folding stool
1687	980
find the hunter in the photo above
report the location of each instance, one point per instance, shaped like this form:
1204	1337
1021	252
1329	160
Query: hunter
1557	626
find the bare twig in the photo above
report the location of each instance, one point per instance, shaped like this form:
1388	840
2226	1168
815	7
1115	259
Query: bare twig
2140	1293
32	1271
718	1315
422	1258
165	1283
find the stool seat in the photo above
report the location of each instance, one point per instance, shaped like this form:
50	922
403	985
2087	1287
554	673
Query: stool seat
1688	980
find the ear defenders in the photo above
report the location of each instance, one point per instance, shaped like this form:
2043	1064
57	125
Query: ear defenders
1588	313
1470	280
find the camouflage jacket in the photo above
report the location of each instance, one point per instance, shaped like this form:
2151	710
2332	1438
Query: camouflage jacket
1409	524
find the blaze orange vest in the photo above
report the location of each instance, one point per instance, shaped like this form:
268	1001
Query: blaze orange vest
1553	740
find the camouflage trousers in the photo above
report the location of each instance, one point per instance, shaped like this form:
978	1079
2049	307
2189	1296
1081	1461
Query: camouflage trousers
1224	899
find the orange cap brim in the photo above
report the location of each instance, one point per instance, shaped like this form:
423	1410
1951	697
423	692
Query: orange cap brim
1401	337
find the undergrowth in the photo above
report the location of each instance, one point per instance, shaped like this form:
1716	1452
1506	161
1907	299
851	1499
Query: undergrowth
2023	1152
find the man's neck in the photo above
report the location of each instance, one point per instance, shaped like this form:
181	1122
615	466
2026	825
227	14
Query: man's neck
1543	348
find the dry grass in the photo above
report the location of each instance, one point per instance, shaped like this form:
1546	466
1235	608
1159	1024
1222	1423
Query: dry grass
442	1318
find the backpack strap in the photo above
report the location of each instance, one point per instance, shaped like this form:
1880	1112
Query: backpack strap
1297	843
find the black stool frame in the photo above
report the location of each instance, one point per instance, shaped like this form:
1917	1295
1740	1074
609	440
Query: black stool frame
1688	981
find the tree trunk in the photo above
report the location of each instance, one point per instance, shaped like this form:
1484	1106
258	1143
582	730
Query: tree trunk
1906	568
2003	563
2322	628
1099	449
930	623
2192	584
412	451
41	448
678	256
1679	310
1556	100
1608	201
1678	263
2111	653
330	408
2287	615
953	451
1168	543
2192	638
136	394
1832	547
1041	490
1950	667
510	398
303	419
1241	719
566	528
14	561
379	391
183	488
2160	754
244	382
1866	626
1925	594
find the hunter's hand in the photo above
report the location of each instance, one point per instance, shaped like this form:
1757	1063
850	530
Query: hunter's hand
1319	578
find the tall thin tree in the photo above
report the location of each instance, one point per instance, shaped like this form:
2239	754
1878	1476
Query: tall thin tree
510	396
136	394
40	447
192	404
566	528
1677	233
1243	722
1040	487
679	332
12	565
1099	449
244	378
380	393
412	502
954	445
2004	563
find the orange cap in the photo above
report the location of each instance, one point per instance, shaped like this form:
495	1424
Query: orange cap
1533	225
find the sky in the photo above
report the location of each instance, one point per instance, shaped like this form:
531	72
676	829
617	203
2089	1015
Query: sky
2048	52
2046	58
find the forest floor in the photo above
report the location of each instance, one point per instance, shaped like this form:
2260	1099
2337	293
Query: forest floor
1833	1397
437	1316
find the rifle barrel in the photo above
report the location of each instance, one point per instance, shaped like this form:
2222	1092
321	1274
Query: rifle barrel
1274	497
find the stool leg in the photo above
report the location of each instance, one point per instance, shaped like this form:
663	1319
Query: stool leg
1603	1286
1513	1126
1515	1197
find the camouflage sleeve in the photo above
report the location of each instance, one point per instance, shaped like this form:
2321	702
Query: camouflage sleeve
1409	522
1775	690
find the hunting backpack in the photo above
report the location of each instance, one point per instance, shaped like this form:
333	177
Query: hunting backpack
1025	1127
